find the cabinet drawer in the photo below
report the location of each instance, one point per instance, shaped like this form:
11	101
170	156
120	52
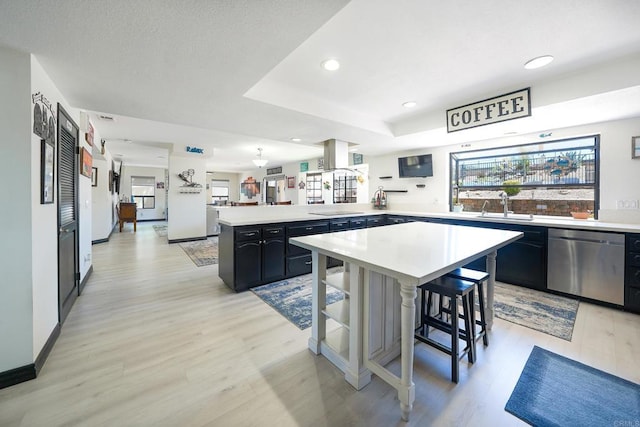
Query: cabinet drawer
249	233
306	229
375	221
357	223
298	265
633	259
396	220
337	225
633	242
633	276
269	232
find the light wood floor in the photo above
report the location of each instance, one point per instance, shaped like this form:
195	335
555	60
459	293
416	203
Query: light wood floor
156	341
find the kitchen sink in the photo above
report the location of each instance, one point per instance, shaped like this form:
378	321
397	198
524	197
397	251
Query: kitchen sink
517	217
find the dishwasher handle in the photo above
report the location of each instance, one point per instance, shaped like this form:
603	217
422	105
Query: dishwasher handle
598	241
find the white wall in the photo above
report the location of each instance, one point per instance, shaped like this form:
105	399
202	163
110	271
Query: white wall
45	222
618	171
158	213
187	212
103	200
298	195
16	146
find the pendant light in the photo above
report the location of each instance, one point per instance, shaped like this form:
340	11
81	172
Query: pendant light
260	162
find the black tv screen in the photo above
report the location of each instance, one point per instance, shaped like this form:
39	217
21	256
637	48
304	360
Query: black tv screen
415	166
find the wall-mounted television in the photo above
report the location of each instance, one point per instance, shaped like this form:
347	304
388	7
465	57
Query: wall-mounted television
415	166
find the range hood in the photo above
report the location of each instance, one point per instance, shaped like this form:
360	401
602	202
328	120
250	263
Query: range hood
336	154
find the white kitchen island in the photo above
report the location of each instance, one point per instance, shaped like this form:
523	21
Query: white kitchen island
383	267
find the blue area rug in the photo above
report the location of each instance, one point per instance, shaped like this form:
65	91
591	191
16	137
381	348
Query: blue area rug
292	298
548	313
556	391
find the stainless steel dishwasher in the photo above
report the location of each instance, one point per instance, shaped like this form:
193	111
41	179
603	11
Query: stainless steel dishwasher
587	263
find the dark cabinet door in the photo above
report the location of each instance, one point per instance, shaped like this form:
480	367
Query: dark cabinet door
523	263
248	263
273	260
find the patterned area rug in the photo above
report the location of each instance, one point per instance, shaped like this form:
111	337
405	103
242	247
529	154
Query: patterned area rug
292	298
548	313
202	252
161	230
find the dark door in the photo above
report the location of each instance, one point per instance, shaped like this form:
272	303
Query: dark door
248	264
273	260
68	273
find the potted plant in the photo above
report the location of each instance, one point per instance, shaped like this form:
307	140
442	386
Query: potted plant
457	206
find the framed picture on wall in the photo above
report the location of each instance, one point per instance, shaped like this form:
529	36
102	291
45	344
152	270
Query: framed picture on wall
635	147
46	172
85	162
291	182
94	177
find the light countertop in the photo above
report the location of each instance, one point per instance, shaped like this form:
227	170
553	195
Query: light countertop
255	215
416	251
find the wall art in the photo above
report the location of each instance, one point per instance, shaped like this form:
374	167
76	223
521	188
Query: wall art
47	157
86	162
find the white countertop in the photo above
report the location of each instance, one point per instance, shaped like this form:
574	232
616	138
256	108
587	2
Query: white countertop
416	251
254	215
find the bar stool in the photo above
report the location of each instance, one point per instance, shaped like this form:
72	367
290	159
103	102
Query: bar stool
452	288
479	278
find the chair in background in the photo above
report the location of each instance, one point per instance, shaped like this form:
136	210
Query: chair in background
127	212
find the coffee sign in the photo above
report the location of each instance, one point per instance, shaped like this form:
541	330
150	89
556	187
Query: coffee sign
510	106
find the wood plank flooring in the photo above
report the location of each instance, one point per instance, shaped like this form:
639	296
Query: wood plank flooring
156	341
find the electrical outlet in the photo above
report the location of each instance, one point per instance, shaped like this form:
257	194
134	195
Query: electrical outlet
627	204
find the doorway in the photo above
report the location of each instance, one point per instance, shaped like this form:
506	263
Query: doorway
68	273
274	188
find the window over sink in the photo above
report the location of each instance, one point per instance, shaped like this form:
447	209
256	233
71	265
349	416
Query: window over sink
543	178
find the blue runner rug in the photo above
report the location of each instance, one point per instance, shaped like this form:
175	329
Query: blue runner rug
556	391
292	298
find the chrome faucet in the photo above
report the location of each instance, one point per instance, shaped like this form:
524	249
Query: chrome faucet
484	207
504	201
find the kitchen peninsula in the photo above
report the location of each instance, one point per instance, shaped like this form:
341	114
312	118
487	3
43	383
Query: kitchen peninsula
380	263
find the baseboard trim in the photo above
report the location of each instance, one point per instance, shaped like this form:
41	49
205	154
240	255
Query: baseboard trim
17	375
48	346
85	280
190	239
95	242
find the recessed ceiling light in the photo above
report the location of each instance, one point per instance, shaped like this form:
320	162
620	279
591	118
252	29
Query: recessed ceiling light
538	62
296	139
331	64
409	104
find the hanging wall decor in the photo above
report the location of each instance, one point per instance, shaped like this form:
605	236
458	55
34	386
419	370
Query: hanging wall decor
44	122
47	157
250	188
86	162
635	147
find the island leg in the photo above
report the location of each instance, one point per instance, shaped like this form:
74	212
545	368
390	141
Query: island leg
318	301
491	284
406	392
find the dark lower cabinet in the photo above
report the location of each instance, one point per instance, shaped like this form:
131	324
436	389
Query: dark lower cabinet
248	266
298	265
273	260
523	263
251	256
632	273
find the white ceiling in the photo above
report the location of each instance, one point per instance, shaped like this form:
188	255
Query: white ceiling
232	76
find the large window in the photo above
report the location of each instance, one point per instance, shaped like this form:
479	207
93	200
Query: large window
314	188
546	178
219	190
143	191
